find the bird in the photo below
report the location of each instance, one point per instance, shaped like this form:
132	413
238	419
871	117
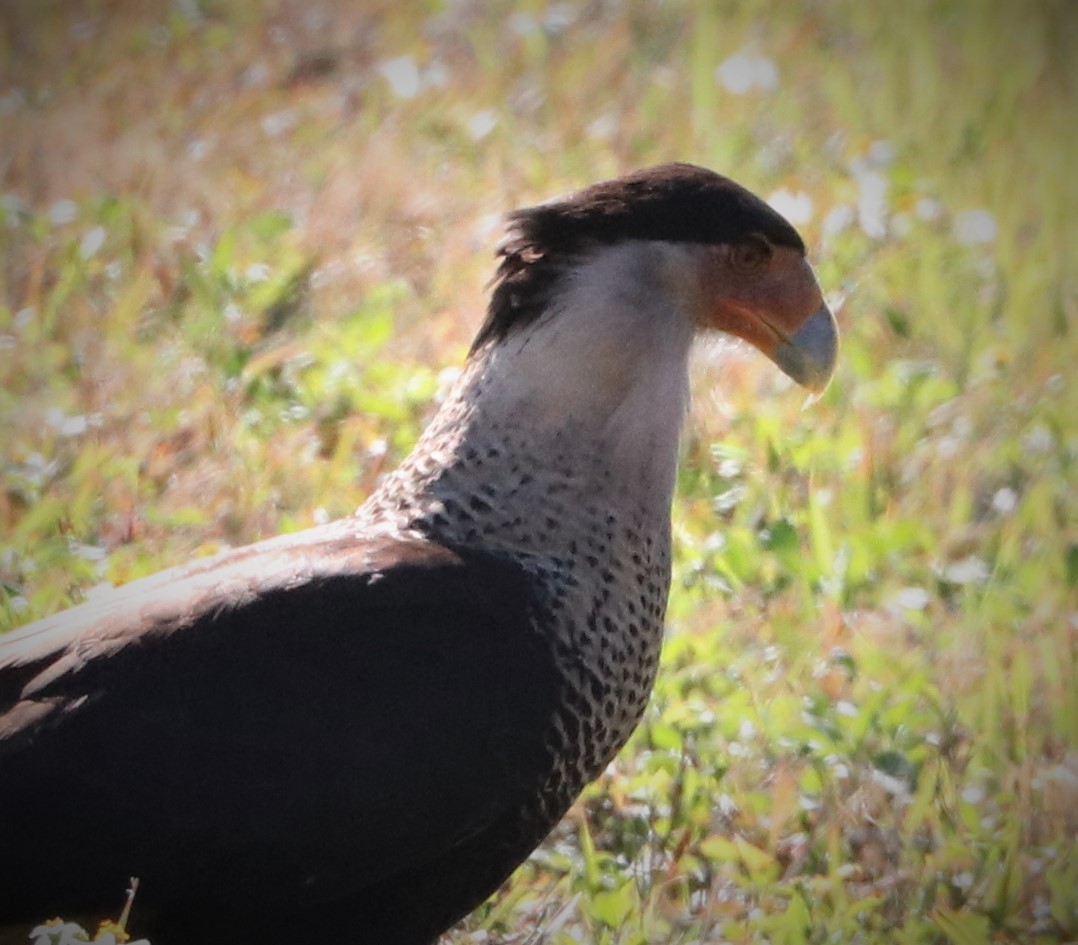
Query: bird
369	724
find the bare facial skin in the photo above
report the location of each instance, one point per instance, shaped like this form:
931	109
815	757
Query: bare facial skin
768	296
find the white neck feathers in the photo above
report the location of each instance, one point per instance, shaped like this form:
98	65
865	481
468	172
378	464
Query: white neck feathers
586	403
607	366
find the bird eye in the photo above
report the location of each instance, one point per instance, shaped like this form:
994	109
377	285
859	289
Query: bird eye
752	253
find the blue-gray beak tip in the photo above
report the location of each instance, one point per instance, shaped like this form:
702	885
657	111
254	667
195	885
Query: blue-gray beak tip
809	356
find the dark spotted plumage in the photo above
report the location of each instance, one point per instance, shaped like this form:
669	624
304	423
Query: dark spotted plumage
602	571
367	725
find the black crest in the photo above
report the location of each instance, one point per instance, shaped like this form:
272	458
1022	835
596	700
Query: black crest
678	203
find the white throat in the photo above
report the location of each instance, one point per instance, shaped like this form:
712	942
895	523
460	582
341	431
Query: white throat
588	402
606	369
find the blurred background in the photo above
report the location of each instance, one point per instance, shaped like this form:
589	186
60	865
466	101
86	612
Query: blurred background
244	248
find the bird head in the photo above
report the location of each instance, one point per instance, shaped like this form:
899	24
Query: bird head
731	260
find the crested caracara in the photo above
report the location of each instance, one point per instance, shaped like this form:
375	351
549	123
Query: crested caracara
367	725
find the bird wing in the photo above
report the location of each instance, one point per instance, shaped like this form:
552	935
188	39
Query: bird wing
305	715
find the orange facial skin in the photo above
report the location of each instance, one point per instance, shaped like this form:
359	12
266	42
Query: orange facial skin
768	296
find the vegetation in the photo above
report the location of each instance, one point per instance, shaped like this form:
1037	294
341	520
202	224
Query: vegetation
244	244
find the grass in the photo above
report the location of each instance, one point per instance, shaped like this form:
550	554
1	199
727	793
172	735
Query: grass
243	243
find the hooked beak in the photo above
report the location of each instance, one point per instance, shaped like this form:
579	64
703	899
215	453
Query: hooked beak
808	356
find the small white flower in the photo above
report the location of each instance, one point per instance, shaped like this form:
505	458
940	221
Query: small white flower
66	424
948	447
971	570
257	73
482	123
278	123
522	24
973	794
975	226
603	126
1039	440
558	17
63	211
881	153
726	805
838	219
402	74
745	71
62	933
729	468
257	272
896	787
908	598
92	242
1005	500
796	206
872	203
928	209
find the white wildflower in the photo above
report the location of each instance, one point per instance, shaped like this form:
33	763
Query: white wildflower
794	205
745	71
975	226
403	77
63	211
92	242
